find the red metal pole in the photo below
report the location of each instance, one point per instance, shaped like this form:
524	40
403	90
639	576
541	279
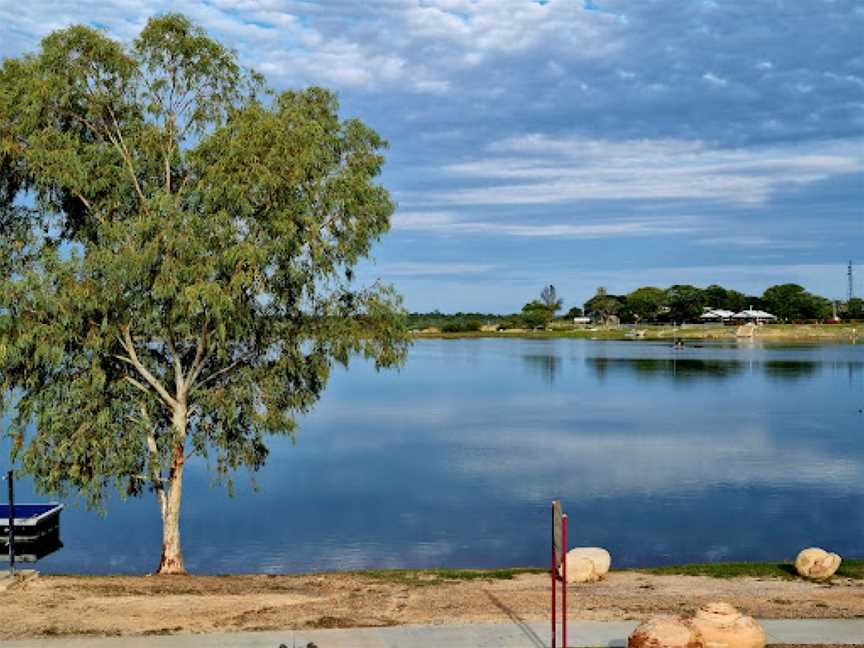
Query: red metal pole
554	587
564	585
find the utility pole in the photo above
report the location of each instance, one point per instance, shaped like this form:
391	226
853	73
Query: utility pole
851	289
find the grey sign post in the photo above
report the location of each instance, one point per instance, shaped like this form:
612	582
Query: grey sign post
11	523
559	561
557	540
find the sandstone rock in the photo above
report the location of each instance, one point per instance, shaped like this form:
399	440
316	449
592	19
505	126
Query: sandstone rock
587	564
723	626
665	632
746	330
817	564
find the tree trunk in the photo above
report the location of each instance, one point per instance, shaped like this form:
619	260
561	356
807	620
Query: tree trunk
172	554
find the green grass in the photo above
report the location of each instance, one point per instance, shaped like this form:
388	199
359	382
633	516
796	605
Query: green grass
423	577
848	569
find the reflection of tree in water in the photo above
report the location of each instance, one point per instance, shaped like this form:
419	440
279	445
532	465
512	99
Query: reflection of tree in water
691	369
854	371
548	366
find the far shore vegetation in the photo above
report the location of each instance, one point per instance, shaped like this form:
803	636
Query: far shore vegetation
655	313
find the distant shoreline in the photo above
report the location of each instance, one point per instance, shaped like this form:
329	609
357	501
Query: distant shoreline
767	333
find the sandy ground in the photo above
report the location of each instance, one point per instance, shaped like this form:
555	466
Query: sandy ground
118	605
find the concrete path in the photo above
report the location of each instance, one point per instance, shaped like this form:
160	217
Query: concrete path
513	635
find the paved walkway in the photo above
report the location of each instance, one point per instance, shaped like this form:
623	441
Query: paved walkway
513	635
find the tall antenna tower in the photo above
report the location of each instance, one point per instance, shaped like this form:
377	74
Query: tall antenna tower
851	289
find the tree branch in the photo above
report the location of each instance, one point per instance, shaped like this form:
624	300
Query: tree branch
179	378
132	381
145	373
223	371
200	353
155	473
120	145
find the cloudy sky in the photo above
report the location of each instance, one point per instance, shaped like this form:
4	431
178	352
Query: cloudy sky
583	143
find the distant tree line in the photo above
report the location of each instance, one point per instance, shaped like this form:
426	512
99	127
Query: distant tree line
682	303
679	303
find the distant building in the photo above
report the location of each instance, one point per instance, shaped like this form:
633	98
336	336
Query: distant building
751	315
717	315
582	320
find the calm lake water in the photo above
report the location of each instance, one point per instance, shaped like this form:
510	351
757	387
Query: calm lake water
725	452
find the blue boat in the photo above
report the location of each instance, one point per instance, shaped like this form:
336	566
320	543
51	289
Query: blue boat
32	522
37	531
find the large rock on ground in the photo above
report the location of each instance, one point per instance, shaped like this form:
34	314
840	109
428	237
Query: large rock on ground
817	564
586	564
746	330
665	632
723	626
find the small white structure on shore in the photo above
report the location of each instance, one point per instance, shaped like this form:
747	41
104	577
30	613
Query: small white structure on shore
751	315
716	315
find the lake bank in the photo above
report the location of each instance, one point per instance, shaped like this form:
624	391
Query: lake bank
50	606
770	333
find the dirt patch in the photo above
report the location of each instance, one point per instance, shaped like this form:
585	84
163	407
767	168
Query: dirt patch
121	605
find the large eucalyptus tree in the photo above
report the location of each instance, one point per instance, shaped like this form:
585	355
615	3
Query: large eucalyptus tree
176	255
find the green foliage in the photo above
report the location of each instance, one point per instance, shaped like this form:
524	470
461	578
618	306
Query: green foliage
855	308
684	303
508	323
536	314
603	305
461	326
791	302
436	319
679	303
181	283
718	297
645	303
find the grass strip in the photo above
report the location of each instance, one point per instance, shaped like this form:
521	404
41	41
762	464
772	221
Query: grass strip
848	569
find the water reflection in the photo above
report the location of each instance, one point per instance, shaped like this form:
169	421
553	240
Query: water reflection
686	369
547	366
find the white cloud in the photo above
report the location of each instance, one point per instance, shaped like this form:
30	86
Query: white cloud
412	46
714	79
539	169
756	242
449	224
745	456
669	458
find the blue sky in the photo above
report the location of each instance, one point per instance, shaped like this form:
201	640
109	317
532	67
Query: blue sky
606	143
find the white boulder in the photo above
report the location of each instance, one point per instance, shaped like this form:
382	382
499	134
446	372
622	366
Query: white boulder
817	564
723	626
586	564
666	632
